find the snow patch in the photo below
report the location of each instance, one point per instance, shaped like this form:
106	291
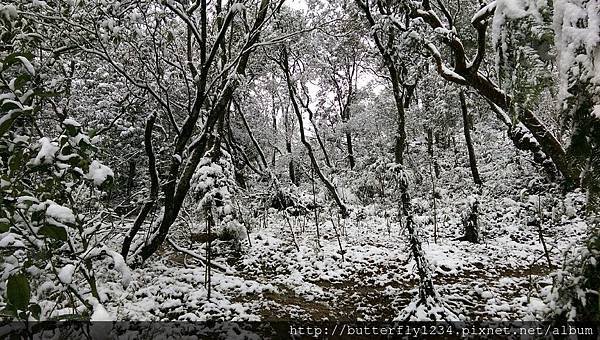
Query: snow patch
99	173
47	152
66	274
60	213
596	112
100	314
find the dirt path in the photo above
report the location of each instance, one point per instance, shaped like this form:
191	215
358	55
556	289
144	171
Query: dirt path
378	288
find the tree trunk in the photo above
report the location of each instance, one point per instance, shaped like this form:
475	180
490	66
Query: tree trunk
471	225
532	136
350	151
251	135
320	140
130	177
284	63
291	165
311	118
400	138
523	140
178	184
467	131
288	148
429	141
154	184
274	126
546	148
348	133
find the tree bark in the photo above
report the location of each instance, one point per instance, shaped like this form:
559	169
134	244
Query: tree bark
284	63
388	59
288	148
467	131
350	150
154	184
311	118
291	165
544	146
321	143
254	141
178	185
274	126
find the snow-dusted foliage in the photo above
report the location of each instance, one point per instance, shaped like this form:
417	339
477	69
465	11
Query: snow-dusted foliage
212	188
575	28
576	25
522	38
412	160
574	295
577	36
46	234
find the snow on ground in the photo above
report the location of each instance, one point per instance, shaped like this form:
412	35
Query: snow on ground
506	276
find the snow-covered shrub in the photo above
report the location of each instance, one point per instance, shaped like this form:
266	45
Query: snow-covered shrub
523	42
232	231
46	238
371	183
576	291
212	187
382	178
284	198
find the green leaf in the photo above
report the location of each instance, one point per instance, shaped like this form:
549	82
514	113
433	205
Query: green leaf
15	161
38	216
17	291
13	58
53	232
6	124
35	310
21	80
8	312
72	130
10	104
4	225
67	317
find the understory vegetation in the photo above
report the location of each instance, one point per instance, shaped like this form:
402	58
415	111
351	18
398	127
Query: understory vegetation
316	160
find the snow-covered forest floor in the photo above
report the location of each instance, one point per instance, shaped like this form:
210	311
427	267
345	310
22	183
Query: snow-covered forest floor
504	277
291	160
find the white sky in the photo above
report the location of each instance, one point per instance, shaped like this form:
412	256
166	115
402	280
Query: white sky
297	4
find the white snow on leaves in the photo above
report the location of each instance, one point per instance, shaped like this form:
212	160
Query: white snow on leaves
100	314
59	213
118	262
99	173
47	152
65	275
576	25
596	112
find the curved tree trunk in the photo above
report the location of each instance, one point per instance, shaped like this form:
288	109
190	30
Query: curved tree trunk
467	131
288	148
311	117
321	144
154	184
284	63
400	137
180	173
399	98
251	135
523	140
531	134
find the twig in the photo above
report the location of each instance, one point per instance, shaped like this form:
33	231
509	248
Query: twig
199	257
